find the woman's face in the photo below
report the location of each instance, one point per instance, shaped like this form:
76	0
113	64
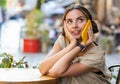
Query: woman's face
75	21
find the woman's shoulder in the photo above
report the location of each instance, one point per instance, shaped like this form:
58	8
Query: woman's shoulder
96	49
62	41
61	36
94	53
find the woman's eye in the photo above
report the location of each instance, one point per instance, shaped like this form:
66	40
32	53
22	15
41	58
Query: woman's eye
80	20
69	22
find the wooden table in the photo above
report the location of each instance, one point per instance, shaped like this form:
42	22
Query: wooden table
24	76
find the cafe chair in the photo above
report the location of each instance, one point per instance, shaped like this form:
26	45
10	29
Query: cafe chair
116	69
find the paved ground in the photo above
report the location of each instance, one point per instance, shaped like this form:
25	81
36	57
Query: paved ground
112	59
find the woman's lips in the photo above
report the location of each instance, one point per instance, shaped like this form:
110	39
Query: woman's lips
76	32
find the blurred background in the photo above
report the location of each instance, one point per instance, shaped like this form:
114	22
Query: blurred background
30	27
25	24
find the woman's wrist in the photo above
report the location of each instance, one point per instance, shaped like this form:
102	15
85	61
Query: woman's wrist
82	43
81	46
74	43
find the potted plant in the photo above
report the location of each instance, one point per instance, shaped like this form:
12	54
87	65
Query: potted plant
32	36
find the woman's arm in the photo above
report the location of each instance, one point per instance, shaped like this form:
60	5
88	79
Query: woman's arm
76	69
63	67
55	54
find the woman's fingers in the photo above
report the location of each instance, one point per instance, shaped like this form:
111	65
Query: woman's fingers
90	35
68	34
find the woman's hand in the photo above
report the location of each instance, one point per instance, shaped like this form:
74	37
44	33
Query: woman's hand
90	37
68	34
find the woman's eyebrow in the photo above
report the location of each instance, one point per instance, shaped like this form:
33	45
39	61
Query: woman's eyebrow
80	17
68	19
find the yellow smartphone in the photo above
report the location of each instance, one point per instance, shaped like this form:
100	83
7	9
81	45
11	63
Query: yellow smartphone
85	32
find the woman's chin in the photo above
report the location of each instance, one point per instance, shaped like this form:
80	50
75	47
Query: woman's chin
77	37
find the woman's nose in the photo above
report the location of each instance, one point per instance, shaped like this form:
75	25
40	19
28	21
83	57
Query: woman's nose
75	24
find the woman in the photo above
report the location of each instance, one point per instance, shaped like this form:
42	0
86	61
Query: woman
70	58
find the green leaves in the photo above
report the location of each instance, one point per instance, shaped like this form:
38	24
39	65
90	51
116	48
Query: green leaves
7	61
33	21
3	3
